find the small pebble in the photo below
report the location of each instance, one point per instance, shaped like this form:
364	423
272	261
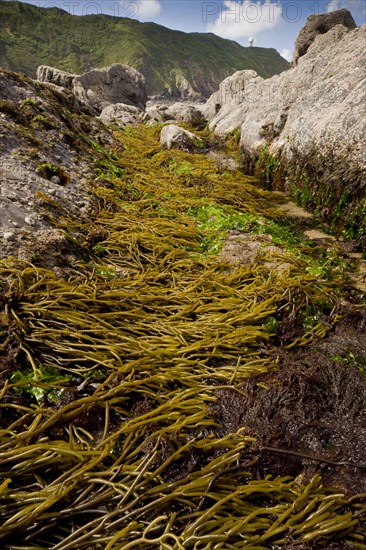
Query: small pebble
52	191
55	179
9	236
29	220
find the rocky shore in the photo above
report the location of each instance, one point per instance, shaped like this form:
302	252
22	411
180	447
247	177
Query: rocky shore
182	352
305	129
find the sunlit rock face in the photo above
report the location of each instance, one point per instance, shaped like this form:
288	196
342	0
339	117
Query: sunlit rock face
311	117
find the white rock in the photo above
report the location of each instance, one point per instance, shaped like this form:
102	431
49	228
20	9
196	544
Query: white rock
153	116
182	112
173	136
29	220
120	113
311	116
115	84
55	76
9	236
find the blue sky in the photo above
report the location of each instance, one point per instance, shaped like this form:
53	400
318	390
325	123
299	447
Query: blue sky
272	23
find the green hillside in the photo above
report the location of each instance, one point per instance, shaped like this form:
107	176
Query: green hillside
32	36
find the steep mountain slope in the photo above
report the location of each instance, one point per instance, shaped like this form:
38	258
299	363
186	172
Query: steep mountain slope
171	61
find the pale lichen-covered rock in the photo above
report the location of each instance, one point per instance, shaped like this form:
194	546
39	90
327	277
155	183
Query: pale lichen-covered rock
213	104
317	106
115	84
55	76
233	90
183	112
122	114
184	88
311	118
320	24
173	136
153	115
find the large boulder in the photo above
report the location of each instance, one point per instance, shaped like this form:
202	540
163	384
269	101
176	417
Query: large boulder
233	90
311	118
320	24
42	173
153	115
122	114
185	89
54	76
183	112
115	84
175	137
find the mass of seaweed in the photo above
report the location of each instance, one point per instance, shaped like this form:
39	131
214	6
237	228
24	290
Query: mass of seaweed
126	418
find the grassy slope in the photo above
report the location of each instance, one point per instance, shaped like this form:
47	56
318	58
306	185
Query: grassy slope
31	36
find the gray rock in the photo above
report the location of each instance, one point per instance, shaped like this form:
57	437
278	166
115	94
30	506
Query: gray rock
233	90
23	193
182	112
319	102
320	24
9	236
185	89
214	104
115	84
29	220
54	76
153	116
311	117
173	136
122	114
11	91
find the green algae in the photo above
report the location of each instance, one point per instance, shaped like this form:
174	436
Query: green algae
134	345
341	204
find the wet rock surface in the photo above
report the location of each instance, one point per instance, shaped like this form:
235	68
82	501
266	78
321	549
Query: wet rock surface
48	151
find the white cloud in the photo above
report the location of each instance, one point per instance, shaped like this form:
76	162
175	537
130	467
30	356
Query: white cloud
245	18
147	9
287	54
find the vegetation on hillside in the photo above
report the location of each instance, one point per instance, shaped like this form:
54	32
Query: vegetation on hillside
31	36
